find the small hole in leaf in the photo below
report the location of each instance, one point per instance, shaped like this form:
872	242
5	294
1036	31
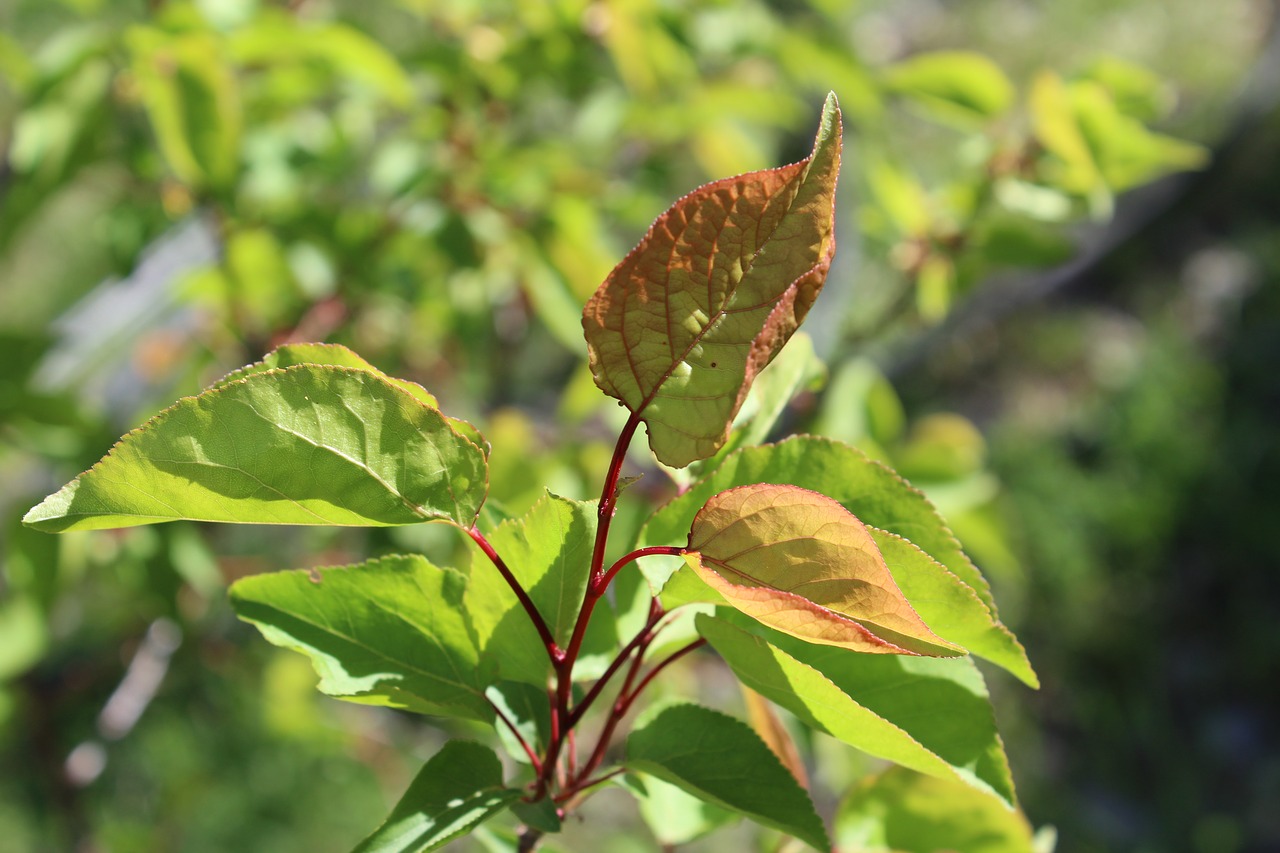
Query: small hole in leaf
713	364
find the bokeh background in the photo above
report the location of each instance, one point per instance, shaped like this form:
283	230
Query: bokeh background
1055	307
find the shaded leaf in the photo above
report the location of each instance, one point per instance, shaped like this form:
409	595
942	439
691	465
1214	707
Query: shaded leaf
768	725
902	811
801	563
307	444
392	631
719	759
929	714
680	328
459	788
540	815
869	490
672	815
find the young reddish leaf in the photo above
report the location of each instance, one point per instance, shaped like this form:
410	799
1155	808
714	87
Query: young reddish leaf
800	562
682	326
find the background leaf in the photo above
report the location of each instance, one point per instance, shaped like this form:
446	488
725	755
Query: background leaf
719	759
393	631
719	283
906	812
459	788
305	445
960	87
801	563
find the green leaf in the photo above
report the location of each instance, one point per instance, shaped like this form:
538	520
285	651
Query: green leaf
541	815
673	816
930	714
548	550
1057	128
393	631
795	369
904	812
957	87
1127	153
802	564
680	329
869	490
190	93
1137	91
278	39
526	707
334	355
719	759
308	444
458	789
901	197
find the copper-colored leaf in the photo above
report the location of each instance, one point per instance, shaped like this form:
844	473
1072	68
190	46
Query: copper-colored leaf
721	281
801	563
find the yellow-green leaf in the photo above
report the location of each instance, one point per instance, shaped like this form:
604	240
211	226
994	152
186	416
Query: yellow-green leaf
680	329
309	444
801	563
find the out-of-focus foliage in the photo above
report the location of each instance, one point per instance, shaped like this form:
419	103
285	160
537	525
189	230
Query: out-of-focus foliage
441	185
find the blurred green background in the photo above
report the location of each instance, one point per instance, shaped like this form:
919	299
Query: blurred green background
1054	307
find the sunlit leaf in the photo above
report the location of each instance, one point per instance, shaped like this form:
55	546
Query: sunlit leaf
954	86
308	444
393	631
548	550
459	788
334	355
719	759
192	98
721	281
905	812
869	490
801	563
885	705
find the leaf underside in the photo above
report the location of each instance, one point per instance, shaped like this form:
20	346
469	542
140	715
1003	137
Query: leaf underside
880	499
459	788
885	705
682	326
719	759
393	631
799	562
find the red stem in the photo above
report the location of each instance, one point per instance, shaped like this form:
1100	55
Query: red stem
534	616
528	750
668	550
565	659
609	494
655	613
616	714
672	658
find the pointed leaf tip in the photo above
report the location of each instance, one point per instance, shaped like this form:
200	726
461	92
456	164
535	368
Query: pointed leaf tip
722	280
801	563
